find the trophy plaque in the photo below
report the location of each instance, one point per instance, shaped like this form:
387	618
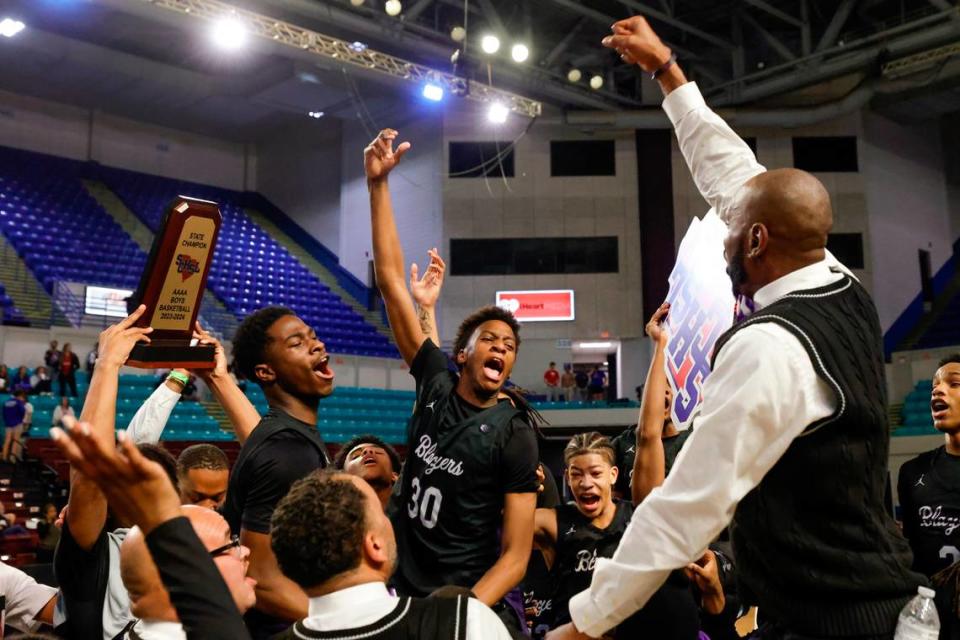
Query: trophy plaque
172	286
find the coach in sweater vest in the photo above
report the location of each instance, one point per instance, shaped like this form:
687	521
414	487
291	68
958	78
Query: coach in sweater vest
792	440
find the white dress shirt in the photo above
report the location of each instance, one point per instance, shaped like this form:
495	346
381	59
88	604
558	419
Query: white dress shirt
366	603
157	630
763	392
148	423
25	598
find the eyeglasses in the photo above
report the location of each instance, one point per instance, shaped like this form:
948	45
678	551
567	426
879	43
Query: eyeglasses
233	544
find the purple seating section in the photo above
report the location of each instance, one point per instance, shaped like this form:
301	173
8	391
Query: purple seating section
62	233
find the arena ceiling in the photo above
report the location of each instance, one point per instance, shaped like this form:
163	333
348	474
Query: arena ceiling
136	59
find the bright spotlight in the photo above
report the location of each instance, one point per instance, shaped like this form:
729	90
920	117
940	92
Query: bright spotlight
490	44
498	113
458	34
596	82
433	92
520	53
315	114
574	75
393	7
10	27
229	33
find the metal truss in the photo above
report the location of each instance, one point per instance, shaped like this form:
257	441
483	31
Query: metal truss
331	48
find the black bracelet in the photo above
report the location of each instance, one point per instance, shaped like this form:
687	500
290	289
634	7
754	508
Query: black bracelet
666	65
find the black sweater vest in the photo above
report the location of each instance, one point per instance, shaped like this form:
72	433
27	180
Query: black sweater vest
814	546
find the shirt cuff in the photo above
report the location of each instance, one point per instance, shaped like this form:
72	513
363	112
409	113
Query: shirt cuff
586	616
682	101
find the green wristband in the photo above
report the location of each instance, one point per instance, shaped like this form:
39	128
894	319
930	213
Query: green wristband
179	377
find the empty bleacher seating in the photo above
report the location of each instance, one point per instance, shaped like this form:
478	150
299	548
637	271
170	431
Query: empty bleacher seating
58	229
915	415
250	269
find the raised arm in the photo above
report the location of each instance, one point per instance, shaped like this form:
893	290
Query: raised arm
139	491
87	513
425	291
151	418
649	465
720	161
242	414
379	159
516	541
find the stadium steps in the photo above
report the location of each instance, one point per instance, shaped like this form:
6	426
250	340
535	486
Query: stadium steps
215	411
214	312
372	317
27	293
930	318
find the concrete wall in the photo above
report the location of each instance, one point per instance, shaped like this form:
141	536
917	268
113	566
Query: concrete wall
534	204
907	198
64	130
299	170
848	191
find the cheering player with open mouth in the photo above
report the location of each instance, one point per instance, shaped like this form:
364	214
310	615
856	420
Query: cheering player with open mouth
463	509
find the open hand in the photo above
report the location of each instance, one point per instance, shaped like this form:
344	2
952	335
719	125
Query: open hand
117	341
655	329
637	43
138	490
202	336
379	158
426	289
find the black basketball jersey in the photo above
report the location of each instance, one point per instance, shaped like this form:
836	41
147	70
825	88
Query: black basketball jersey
929	490
447	506
671	614
412	619
625	447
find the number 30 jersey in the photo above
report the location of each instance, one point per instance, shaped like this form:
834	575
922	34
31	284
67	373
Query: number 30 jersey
447	506
929	492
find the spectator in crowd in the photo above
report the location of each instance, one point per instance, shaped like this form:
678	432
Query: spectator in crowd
331	536
21	380
68	365
139	491
19	441
41	381
49	533
551	378
150	604
598	383
51	358
572	536
92	359
373	460
60	411
14	409
582	380
4	378
203	471
283	355
929	485
27	605
568	382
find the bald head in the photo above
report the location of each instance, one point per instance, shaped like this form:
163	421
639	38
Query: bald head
781	223
148	597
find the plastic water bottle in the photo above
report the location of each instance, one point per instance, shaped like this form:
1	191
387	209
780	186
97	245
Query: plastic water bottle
919	619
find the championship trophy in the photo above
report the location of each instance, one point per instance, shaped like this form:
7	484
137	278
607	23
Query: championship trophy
172	286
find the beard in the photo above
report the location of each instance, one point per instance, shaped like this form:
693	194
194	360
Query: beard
737	272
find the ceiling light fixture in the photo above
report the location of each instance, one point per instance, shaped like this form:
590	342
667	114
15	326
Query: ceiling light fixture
10	27
490	44
519	52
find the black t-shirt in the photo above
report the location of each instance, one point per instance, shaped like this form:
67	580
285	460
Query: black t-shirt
929	489
270	461
625	446
670	614
461	461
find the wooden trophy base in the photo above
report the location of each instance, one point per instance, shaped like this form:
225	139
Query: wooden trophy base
172	354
